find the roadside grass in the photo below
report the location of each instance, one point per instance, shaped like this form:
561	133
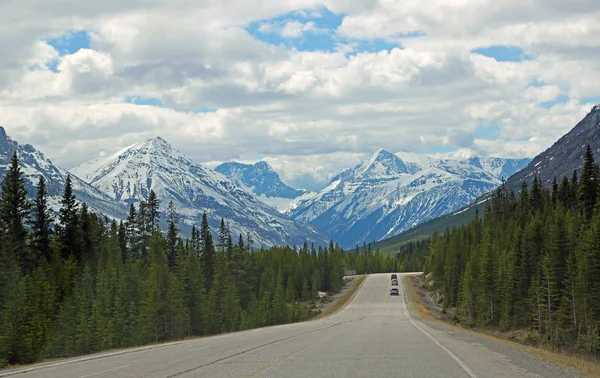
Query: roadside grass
587	366
342	301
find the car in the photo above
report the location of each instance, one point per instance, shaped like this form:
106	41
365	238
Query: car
394	276
395	282
394	291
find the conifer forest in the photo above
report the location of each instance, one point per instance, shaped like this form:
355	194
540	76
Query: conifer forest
82	283
532	262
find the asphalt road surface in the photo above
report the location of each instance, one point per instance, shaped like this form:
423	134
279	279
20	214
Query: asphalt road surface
374	335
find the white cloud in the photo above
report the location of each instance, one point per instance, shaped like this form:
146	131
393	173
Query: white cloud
310	113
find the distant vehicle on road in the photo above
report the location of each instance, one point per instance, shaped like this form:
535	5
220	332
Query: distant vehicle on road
394	291
395	282
394	276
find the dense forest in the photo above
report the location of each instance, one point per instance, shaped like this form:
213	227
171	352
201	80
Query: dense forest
409	258
532	263
83	283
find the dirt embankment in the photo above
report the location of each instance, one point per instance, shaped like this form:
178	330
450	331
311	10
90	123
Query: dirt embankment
427	304
333	301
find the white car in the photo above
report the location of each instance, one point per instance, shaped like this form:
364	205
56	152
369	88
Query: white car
395	282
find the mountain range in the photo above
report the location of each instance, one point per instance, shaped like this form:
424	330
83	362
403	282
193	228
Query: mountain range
390	193
128	176
385	195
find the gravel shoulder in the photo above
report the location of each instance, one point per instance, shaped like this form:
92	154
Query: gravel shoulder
538	361
332	299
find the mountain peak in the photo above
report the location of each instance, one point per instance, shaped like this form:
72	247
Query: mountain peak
157	143
259	178
382	163
3	135
596	108
263	165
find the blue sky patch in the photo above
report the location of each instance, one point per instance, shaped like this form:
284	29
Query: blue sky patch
144	100
591	100
561	99
319	35
489	131
504	53
71	42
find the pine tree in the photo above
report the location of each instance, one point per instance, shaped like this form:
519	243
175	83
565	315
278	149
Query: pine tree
588	185
122	233
222	243
69	235
144	227
15	208
207	251
40	222
132	231
172	234
153	212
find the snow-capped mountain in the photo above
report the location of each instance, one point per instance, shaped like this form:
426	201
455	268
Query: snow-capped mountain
34	164
130	174
389	193
262	180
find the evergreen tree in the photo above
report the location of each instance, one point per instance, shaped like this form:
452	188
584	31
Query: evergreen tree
122	233
172	234
40	222
69	235
207	252
15	208
588	185
153	205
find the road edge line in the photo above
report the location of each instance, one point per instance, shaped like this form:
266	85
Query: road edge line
460	362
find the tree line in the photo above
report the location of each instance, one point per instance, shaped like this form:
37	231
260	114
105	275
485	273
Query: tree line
409	258
532	263
84	283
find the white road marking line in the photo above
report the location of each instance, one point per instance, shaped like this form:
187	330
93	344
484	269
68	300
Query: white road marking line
364	284
460	362
105	371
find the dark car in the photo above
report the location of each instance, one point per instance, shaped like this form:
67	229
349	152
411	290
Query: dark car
394	291
394	276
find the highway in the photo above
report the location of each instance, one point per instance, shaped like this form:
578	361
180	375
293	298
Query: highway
374	335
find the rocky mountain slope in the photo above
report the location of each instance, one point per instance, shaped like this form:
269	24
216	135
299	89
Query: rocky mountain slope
564	156
34	164
262	180
130	174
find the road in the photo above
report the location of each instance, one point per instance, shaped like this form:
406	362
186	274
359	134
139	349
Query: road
374	335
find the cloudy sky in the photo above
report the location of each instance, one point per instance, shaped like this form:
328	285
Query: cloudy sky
311	86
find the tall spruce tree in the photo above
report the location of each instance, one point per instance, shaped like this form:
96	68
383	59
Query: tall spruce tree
153	212
69	235
208	251
15	208
172	234
588	185
40	222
